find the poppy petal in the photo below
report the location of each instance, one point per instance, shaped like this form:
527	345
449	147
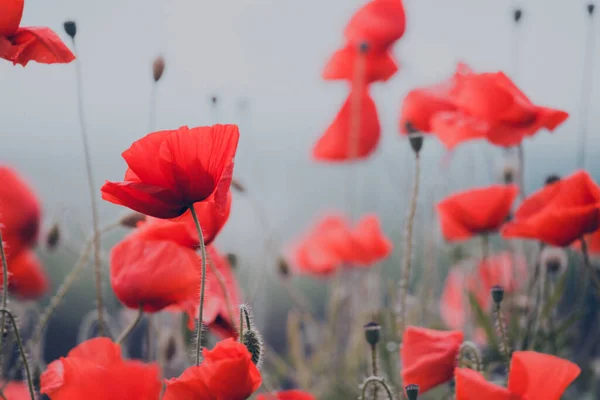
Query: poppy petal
354	133
286	395
10	18
471	385
379	23
371	244
27	278
138	154
344	65
453	128
38	44
150	200
453	302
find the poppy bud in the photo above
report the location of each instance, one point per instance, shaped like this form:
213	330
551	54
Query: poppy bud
510	170
214	100
70	28
552	178
517	15
363	47
232	260
170	349
53	237
412	392
554	259
237	185
415	138
497	294
131	220
372	333
283	267
253	342
590	8
158	67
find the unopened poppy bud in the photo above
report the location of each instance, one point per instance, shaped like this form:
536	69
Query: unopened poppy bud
497	294
517	15
554	259
132	219
552	178
372	333
232	260
363	47
53	237
158	67
70	28
214	100
412	392
590	8
237	185
253	342
283	267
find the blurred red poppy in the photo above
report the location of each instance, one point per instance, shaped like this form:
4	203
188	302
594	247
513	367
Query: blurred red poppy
354	133
379	23
16	391
226	373
95	370
532	376
559	213
21	45
27	278
344	64
490	105
286	395
476	211
169	171
428	356
332	242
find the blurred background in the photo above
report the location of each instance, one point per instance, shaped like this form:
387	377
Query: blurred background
262	60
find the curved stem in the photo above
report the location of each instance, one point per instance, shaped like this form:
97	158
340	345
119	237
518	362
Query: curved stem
202	285
407	256
588	264
131	326
4	287
90	179
21	350
376	381
466	350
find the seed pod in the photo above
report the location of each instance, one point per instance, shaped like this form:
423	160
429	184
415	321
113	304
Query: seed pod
53	237
132	219
158	67
497	294
372	333
70	28
412	392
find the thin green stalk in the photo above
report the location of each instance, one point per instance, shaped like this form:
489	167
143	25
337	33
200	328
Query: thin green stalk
376	381
4	288
21	350
202	285
242	324
504	344
131	326
374	368
588	264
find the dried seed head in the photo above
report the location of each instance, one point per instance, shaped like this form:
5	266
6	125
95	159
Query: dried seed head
372	333
132	219
53	237
415	137
158	67
253	342
412	392
552	178
283	267
237	185
70	28
554	259
590	9
497	294
517	15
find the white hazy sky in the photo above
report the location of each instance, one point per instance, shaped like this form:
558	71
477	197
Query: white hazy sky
272	52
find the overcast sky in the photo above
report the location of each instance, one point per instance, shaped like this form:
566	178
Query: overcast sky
271	52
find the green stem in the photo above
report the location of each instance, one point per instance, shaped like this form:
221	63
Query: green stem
21	350
504	345
242	324
4	288
376	381
374	368
588	264
202	285
131	326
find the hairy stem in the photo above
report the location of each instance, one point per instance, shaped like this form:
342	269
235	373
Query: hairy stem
4	288
91	186
501	330
6	312
374	368
375	380
131	326
202	286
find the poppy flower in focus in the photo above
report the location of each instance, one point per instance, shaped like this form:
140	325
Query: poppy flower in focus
532	376
95	370
428	356
490	105
476	211
169	171
227	372
27	278
332	242
21	45
20	212
16	391
354	133
559	213
286	395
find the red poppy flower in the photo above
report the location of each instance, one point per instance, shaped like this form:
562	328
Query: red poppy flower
16	391
211	218
169	171
371	245
94	370
286	395
379	23
21	45
354	133
475	211
20	212
532	376
344	64
490	105
559	213
453	301
27	278
226	373
428	356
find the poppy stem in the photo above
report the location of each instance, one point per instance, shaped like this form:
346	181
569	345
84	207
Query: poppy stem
131	326
521	156
202	286
586	91
485	246
375	380
468	351
4	288
241	324
90	179
588	264
13	322
374	368
407	256
152	111
503	345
